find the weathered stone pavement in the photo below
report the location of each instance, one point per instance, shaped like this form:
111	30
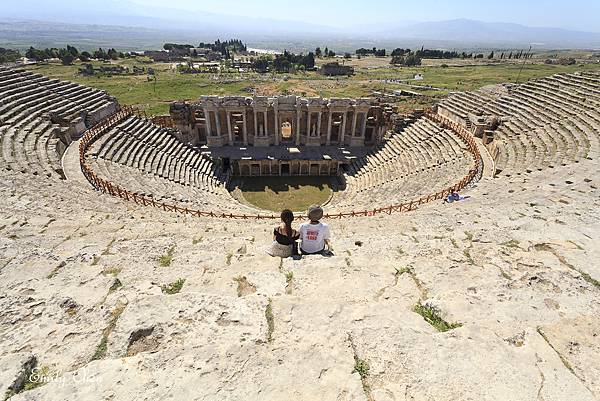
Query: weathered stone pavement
515	265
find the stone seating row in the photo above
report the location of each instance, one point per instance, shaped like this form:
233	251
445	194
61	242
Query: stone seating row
140	144
29	103
33	149
161	190
32	91
418	161
547	122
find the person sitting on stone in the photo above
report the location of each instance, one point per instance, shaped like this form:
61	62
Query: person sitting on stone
315	235
452	197
284	237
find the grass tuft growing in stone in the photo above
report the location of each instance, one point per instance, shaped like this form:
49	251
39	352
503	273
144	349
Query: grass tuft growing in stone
166	259
431	316
270	320
467	254
513	243
115	286
106	251
589	279
174	287
55	271
402	270
113	271
289	278
38	377
361	367
102	347
561	356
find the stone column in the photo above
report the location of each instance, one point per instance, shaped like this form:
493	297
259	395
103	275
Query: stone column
308	127
344	118
329	121
244	131
218	123
207	124
363	129
353	130
319	124
229	132
277	129
298	112
255	124
265	124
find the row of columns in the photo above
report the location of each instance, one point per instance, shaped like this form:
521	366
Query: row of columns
309	131
294	167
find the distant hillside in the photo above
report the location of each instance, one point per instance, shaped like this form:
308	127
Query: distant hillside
469	32
152	33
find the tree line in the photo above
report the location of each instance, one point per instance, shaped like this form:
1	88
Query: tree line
408	57
9	55
69	54
226	48
370	52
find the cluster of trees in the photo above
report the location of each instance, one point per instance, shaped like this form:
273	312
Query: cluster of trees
370	52
171	46
69	54
409	57
427	53
9	55
225	47
324	53
285	62
517	55
512	55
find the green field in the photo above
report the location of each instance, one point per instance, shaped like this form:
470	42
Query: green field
278	193
172	85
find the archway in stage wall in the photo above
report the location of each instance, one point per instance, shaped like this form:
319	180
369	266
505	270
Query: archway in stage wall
286	131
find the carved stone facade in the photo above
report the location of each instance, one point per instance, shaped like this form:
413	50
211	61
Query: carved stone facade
285	167
264	121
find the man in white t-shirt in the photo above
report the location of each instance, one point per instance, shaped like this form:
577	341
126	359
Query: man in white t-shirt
314	234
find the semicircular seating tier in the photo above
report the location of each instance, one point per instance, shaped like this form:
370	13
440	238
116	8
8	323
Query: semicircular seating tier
150	161
543	123
39	117
422	159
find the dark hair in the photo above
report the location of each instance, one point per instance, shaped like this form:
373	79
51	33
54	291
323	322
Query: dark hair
287	216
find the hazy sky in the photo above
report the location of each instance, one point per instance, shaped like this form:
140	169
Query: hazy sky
572	14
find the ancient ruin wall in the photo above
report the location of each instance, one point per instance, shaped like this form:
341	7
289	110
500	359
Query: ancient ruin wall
265	121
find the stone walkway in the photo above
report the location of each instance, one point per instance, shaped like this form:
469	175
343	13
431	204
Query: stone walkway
488	163
71	166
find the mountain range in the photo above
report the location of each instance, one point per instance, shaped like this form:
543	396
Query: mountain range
135	26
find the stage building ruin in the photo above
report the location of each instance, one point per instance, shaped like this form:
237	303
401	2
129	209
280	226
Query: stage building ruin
304	135
265	121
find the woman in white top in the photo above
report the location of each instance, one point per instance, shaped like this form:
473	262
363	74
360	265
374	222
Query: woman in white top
315	236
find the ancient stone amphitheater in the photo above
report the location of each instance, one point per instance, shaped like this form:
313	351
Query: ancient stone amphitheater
105	216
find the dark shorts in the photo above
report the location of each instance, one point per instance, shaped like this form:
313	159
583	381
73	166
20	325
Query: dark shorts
312	253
